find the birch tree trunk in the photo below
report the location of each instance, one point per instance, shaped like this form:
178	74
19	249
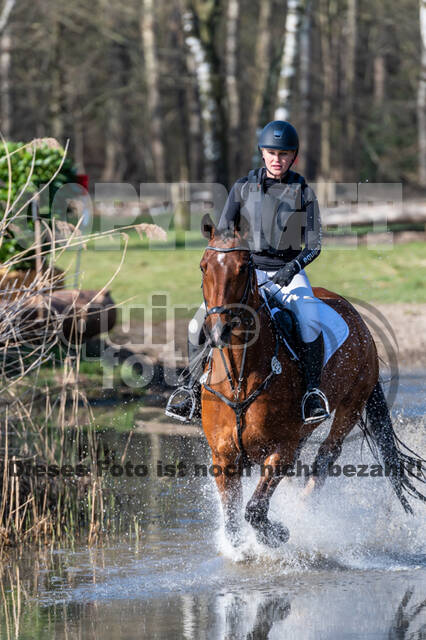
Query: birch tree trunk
421	98
5	48
193	103
232	88
198	63
147	30
6	109
207	22
288	60
5	14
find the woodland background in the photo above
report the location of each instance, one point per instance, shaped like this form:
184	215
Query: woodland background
178	89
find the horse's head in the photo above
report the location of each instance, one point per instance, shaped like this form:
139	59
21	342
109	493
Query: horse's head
229	283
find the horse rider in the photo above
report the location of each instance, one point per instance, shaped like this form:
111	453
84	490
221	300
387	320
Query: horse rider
282	214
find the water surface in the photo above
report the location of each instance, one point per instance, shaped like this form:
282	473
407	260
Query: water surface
354	567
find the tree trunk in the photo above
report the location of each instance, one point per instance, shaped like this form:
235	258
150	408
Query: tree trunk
379	69
57	95
6	109
326	101
115	154
5	14
349	83
288	60
421	99
192	101
260	75
181	207
304	85
232	89
147	30
202	110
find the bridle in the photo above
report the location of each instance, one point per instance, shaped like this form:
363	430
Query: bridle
226	309
239	406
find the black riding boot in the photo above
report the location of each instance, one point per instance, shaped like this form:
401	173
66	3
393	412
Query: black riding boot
185	402
314	402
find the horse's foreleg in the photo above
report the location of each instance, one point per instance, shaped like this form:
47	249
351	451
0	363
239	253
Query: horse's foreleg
267	532
228	481
345	419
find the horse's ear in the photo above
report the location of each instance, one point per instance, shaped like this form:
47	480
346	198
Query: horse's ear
243	227
207	227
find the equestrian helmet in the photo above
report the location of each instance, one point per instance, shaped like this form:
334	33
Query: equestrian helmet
279	134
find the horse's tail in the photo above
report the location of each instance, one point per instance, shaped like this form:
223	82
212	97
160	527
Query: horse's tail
400	467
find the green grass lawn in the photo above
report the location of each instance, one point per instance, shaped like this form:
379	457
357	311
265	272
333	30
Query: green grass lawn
379	274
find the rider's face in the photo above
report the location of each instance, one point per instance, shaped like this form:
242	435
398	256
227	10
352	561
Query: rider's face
277	161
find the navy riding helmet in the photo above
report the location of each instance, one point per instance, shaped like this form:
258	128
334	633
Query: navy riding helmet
279	135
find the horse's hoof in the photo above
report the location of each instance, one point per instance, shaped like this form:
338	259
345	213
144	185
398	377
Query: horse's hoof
233	535
273	534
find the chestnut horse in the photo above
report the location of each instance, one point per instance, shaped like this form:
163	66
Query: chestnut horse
252	390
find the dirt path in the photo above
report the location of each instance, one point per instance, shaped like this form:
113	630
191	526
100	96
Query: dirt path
408	322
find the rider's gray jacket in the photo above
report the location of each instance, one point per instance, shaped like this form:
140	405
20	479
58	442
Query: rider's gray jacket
281	214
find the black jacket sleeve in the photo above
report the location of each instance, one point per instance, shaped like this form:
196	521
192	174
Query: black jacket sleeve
312	239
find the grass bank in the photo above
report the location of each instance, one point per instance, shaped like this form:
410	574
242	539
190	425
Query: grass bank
373	274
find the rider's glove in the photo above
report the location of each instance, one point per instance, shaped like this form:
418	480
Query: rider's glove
285	275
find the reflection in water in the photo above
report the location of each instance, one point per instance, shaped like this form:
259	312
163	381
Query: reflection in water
406	617
310	607
238	621
355	565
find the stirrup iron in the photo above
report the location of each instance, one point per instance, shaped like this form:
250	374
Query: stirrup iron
323	397
169	407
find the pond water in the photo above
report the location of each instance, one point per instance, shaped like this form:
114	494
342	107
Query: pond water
354	567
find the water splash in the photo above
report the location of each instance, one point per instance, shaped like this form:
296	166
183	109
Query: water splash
353	523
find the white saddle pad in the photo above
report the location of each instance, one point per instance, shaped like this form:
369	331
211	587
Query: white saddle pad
335	330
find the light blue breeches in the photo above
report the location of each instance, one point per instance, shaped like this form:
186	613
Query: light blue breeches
298	297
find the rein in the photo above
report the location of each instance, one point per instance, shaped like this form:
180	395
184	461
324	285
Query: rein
239	406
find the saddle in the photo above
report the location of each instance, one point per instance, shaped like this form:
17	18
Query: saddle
335	329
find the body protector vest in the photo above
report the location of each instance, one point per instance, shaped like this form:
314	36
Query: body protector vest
277	218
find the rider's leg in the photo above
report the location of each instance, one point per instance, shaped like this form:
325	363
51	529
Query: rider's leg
299	298
185	402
